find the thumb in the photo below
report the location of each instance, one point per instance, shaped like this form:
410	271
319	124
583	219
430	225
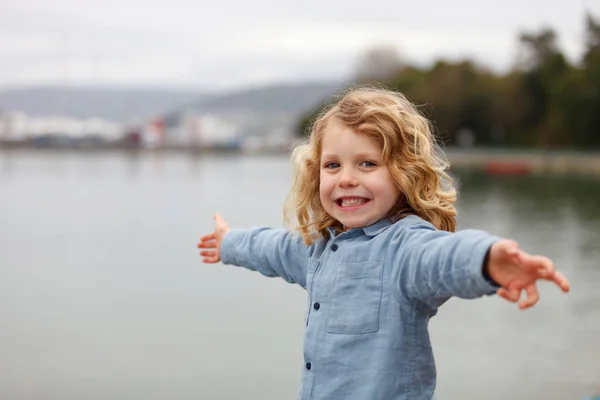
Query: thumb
511	248
505	250
220	222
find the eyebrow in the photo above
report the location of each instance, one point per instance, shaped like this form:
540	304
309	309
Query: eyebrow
371	155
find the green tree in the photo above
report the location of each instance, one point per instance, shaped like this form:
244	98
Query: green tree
546	70
589	104
544	101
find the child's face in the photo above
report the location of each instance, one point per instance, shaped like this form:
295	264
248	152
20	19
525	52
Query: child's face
356	187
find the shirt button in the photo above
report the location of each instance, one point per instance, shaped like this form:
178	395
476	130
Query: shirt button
316	306
308	366
334	247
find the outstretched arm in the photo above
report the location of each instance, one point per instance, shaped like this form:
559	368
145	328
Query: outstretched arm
433	265
272	252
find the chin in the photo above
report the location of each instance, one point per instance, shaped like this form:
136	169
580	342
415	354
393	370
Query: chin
353	223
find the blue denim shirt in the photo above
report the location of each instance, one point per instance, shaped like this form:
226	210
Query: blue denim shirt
371	293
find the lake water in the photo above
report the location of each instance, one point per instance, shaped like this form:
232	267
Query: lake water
103	294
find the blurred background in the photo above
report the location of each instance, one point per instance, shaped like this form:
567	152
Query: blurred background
125	124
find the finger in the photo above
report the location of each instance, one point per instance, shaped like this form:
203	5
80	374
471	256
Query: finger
210	256
209	236
207	244
532	297
504	294
546	266
560	280
543	266
514	293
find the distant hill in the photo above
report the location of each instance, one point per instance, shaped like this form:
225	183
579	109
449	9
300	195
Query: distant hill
115	104
119	104
285	98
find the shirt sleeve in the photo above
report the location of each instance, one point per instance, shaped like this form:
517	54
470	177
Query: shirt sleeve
272	252
431	265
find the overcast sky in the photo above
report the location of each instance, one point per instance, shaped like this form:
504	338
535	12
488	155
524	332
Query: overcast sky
235	43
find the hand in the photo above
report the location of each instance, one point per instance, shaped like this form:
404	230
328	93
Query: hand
515	270
212	241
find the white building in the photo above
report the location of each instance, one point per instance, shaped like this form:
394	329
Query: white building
17	126
207	130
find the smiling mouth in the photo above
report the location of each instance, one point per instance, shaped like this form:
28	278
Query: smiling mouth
351	202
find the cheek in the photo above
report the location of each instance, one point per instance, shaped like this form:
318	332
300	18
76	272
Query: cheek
385	187
393	194
324	183
325	187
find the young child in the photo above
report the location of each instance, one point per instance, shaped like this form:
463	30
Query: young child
374	247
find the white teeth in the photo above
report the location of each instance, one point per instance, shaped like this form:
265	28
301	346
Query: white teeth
352	202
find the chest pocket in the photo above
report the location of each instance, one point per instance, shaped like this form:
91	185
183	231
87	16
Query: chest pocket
356	298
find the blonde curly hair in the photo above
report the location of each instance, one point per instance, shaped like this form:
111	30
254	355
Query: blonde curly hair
417	164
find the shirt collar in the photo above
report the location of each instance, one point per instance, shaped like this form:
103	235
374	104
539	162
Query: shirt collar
378	227
370	230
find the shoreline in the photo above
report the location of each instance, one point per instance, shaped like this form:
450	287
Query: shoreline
526	162
488	160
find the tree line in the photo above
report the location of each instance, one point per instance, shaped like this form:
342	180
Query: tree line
544	101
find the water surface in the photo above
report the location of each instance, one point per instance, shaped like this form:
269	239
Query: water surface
103	295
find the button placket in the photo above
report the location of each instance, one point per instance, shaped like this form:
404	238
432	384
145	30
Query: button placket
312	289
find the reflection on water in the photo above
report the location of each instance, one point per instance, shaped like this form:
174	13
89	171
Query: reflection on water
544	195
560	216
104	296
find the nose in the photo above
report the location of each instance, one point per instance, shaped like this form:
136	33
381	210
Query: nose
347	178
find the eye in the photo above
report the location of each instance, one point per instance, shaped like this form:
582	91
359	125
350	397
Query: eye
368	164
331	165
